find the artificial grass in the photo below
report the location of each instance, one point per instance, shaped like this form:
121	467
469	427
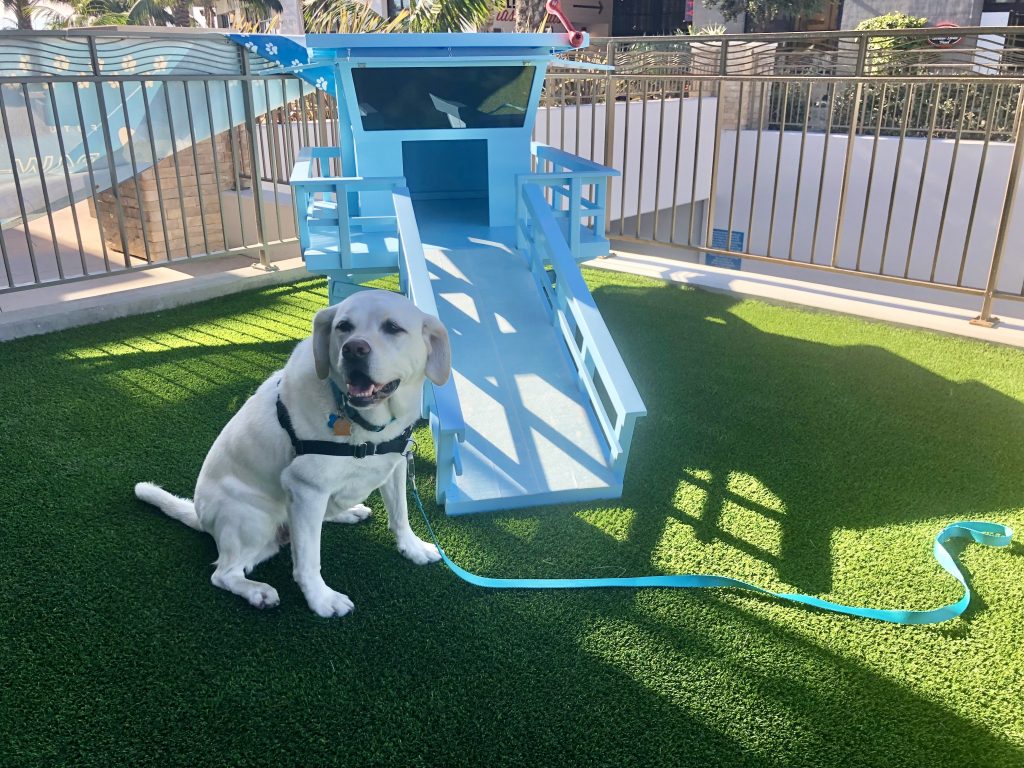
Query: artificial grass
798	450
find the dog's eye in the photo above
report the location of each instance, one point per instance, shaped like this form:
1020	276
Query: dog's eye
344	326
392	328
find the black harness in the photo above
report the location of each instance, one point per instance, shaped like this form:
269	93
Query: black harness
330	448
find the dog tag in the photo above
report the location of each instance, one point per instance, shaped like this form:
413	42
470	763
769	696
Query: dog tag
342	427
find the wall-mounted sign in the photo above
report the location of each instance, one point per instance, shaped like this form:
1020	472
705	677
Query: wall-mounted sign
947	40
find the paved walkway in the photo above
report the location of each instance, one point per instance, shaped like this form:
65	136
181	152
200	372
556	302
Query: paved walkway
918	314
55	307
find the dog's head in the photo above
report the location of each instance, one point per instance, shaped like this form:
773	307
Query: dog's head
375	342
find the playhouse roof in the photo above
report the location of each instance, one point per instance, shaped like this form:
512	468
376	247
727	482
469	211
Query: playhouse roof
468	45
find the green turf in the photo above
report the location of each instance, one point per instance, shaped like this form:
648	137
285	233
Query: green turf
798	450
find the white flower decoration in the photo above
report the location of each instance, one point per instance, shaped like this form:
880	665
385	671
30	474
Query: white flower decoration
272	49
62	62
295	63
160	63
114	84
321	83
128	63
252	47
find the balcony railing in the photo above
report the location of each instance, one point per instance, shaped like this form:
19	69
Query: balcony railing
880	155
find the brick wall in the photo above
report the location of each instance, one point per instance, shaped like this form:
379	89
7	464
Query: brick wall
187	206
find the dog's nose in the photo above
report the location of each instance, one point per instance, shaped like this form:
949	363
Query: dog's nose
354	349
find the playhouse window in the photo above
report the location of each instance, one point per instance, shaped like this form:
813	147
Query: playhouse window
425	98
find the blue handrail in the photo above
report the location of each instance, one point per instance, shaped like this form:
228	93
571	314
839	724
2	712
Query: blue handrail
441	403
597	359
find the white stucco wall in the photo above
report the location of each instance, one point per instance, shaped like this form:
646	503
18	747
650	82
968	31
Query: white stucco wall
643	154
795	216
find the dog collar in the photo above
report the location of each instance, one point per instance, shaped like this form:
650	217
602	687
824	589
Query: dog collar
347	411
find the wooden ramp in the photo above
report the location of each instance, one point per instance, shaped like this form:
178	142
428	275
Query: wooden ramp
531	434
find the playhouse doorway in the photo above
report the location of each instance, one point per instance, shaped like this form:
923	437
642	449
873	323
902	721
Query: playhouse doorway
448	177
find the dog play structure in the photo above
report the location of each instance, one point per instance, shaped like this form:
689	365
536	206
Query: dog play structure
436	178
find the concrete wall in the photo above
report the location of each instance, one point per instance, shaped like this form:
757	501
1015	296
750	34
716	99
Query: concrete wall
894	188
963	12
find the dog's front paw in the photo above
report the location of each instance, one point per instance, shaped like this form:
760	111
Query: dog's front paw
419	551
328	603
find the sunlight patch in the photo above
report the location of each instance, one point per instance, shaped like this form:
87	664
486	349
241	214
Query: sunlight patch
751	489
677	547
613	522
752	513
504	326
691	495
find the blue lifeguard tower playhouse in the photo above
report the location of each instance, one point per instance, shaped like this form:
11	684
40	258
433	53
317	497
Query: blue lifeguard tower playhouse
436	178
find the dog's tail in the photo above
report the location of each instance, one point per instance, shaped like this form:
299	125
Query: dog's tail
171	505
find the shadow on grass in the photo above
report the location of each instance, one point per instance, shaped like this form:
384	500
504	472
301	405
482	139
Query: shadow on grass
845	437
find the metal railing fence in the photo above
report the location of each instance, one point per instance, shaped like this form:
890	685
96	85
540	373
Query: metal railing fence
990	51
879	165
826	151
117	154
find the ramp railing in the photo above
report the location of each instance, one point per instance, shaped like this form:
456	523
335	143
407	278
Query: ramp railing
602	372
440	403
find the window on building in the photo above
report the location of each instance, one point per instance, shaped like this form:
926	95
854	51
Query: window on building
395	6
650	17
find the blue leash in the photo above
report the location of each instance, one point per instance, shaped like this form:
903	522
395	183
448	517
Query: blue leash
989	534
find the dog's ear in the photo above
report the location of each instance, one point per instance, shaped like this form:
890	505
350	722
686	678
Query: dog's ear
323	324
439	351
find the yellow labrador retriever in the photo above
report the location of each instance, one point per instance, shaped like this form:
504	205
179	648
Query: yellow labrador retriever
313	442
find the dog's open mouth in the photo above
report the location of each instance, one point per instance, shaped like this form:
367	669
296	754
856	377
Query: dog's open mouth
364	391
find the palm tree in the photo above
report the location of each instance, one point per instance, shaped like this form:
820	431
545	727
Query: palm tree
256	15
350	16
451	15
94	13
25	10
423	16
531	15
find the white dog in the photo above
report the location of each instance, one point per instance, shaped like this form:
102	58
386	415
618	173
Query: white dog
355	383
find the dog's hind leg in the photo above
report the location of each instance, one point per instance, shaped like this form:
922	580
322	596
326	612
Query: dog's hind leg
240	549
259	594
336	513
